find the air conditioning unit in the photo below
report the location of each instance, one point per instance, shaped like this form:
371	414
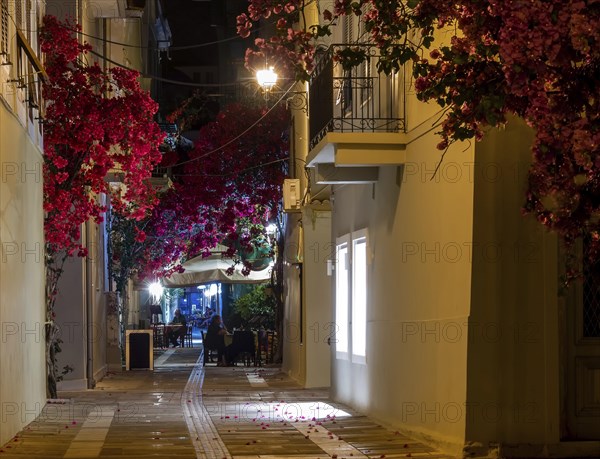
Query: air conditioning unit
292	196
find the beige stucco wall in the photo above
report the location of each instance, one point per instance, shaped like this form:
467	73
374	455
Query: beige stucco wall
71	321
293	352
22	317
125	30
462	333
98	324
513	354
81	314
418	292
308	318
318	320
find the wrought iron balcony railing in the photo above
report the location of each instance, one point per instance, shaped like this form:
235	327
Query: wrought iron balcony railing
357	100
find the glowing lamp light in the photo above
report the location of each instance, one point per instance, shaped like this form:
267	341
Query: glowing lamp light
156	290
266	78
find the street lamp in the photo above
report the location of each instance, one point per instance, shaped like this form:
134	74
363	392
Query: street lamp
267	78
156	290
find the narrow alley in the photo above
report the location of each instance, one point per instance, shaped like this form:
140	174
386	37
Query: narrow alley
185	410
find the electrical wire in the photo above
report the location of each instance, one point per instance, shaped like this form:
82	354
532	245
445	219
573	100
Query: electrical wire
285	93
234	172
165	80
170	48
186	47
238	172
226	144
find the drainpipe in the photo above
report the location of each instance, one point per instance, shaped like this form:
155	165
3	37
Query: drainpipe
89	291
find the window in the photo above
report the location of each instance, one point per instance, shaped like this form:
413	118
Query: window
19	14
351	296
341	298
359	297
4	27
589	324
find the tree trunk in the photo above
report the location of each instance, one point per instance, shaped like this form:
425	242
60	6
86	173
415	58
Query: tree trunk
53	272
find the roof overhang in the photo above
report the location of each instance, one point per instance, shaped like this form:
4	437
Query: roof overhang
205	270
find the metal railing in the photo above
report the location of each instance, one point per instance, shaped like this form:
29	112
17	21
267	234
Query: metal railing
356	100
162	172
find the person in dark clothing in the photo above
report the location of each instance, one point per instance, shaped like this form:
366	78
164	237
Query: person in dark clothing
206	318
215	339
177	332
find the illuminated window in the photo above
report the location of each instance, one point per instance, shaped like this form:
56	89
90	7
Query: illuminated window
351	296
341	298
359	296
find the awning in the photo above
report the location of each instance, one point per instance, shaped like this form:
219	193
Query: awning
213	269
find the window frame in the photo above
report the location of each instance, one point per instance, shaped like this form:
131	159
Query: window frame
342	323
349	316
356	302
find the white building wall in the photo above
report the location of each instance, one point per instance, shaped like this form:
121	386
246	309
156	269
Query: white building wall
22	307
418	292
463	339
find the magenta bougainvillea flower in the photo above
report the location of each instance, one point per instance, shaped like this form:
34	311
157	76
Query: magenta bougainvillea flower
536	59
96	122
226	191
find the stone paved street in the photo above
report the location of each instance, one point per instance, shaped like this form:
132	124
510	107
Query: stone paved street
184	410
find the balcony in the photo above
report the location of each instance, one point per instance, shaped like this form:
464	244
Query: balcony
111	8
22	89
356	120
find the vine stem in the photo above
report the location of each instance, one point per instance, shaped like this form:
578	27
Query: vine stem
439	163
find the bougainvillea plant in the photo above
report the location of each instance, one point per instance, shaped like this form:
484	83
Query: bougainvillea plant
247	174
195	111
227	189
535	59
97	122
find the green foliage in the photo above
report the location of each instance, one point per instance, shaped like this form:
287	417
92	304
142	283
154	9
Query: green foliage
257	307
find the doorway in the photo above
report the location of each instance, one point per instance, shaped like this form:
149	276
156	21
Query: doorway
581	360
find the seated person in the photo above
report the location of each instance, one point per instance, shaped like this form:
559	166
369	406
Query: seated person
243	343
206	318
177	332
215	339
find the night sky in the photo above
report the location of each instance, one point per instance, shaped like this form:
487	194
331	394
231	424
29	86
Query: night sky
195	22
192	23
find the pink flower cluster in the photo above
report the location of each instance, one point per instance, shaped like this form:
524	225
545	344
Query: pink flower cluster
226	194
290	48
96	122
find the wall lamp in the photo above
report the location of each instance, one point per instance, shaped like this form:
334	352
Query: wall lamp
267	80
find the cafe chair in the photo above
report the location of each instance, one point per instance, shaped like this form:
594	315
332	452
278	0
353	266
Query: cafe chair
188	339
207	352
244	346
159	335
